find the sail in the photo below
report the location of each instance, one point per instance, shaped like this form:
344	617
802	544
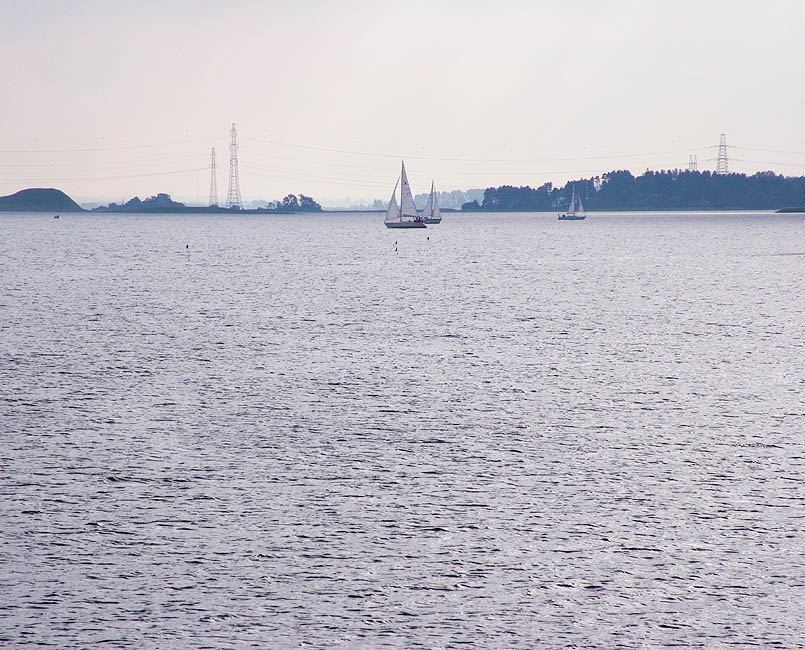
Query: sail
407	205
581	207
393	213
428	211
571	209
436	213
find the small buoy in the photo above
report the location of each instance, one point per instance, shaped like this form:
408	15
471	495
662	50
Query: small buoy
187	246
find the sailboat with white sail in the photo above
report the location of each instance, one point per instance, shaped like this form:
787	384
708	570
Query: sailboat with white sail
431	213
573	213
403	215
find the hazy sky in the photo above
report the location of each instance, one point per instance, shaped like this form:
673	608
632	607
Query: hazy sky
113	99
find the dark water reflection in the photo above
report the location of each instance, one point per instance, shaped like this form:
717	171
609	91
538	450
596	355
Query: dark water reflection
515	433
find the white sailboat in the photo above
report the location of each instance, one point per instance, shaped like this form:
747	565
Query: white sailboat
403	215
431	213
573	214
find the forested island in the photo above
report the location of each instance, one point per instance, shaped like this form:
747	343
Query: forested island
163	203
662	190
615	190
53	200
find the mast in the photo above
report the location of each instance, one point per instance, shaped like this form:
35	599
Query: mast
403	181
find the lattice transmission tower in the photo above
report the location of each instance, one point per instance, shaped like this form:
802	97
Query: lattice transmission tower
693	163
722	165
213	181
233	196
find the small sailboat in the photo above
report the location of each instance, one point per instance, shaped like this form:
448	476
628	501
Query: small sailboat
403	215
573	214
431	213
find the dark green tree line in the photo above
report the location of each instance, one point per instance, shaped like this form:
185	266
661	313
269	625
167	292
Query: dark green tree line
662	190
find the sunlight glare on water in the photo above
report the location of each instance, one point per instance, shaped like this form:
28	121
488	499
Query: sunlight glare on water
278	431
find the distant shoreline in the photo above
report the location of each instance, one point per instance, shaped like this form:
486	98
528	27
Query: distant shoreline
204	211
41	200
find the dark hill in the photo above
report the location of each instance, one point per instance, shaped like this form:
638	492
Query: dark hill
38	200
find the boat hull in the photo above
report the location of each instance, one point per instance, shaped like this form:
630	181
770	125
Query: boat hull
405	224
570	217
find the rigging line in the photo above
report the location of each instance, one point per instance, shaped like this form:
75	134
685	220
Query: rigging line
458	159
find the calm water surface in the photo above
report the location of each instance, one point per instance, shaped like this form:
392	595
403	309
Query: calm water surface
509	433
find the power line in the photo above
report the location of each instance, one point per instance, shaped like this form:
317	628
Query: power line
105	163
793	153
92	149
769	162
397	156
100	178
233	199
385	155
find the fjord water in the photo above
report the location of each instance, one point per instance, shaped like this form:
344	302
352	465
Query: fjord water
509	432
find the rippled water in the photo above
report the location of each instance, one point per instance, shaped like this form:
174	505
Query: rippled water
511	432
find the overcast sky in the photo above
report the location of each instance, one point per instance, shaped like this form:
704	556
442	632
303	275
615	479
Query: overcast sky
114	99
